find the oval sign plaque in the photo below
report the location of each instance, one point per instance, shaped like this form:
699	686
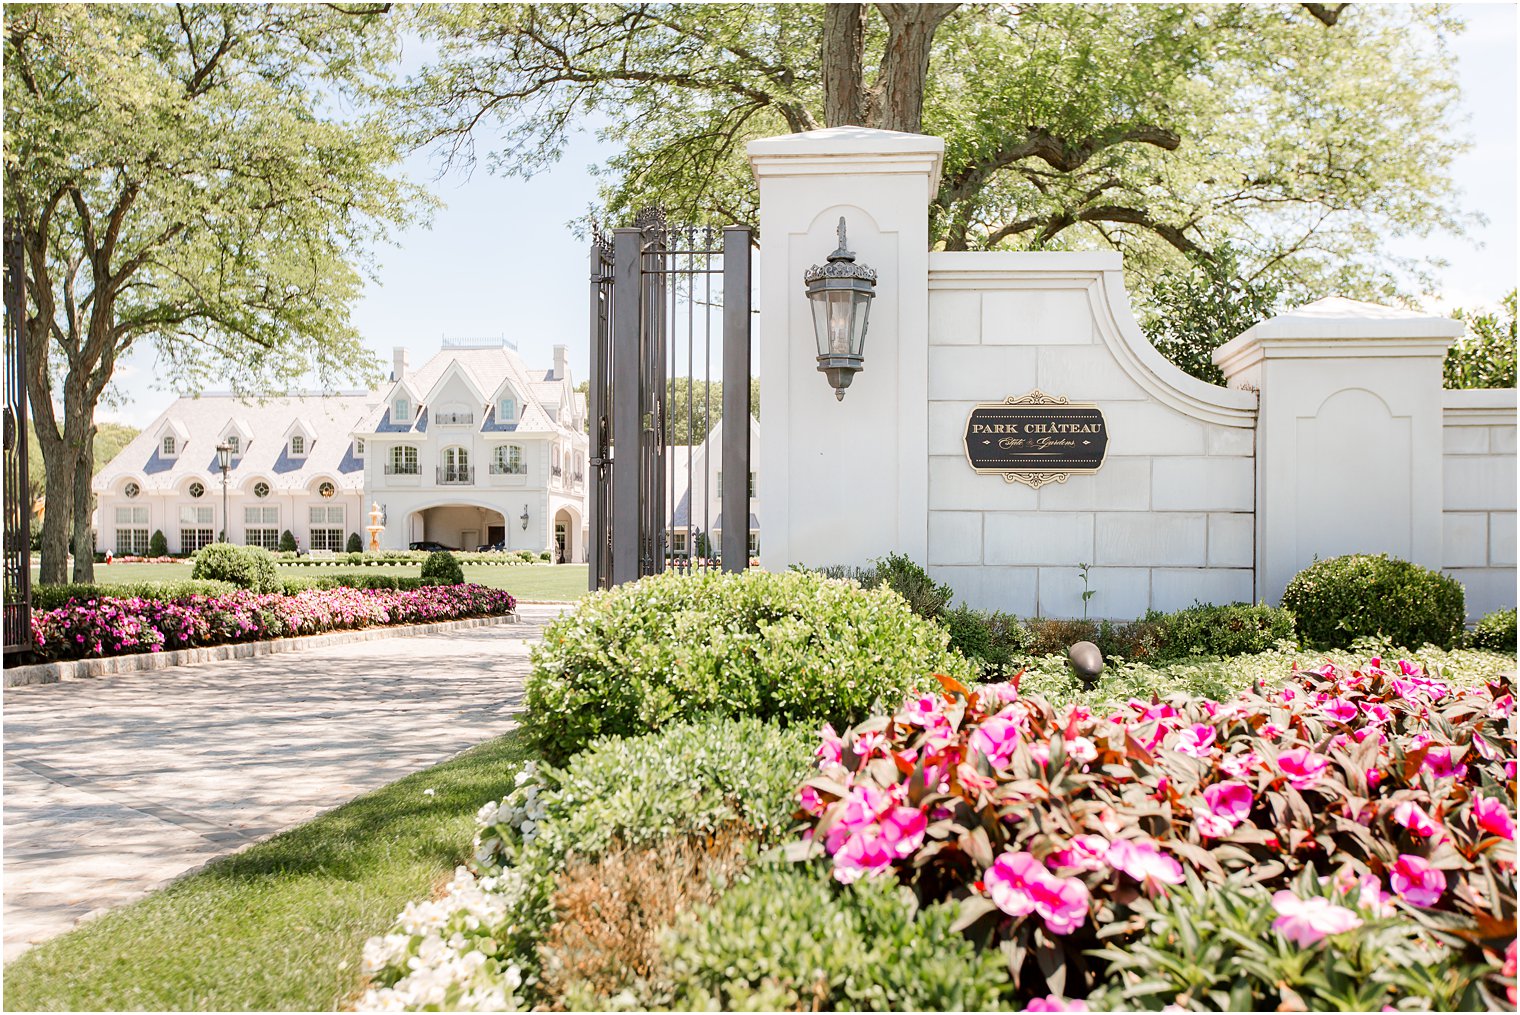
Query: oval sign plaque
1036	438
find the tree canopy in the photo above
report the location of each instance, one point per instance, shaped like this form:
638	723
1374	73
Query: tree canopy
1302	135
204	177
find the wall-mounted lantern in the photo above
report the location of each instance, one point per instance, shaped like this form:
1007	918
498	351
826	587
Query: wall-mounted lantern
525	518
841	292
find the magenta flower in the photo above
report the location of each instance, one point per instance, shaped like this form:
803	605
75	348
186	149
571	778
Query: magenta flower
863	854
924	711
1308	921
1239	766
1416	881
1083	852
1378	714
1197	741
902	829
1413	817
1340	709
1053	1002
1019	885
810	801
1229	803
1494	817
1144	862
1444	763
995	739
831	750
1081	750
1302	767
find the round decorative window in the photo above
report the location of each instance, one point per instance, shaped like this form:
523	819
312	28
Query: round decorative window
131	490
197	490
261	489
327	489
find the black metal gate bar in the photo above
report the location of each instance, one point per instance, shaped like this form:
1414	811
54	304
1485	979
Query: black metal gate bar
736	407
17	502
647	289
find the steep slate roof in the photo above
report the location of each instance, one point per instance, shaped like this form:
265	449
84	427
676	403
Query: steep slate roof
331	418
486	368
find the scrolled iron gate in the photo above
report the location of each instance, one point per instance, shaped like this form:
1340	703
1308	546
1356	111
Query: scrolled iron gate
17	547
664	300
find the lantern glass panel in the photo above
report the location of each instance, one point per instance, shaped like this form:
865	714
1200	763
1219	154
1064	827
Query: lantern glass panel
833	321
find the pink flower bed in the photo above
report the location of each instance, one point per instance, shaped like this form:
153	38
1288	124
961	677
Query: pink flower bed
108	626
1381	781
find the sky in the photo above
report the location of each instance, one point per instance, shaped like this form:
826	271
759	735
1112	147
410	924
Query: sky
501	258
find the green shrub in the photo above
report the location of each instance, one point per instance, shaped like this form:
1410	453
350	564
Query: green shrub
1213	948
788	939
1495	632
898	572
158	546
1336	601
992	640
290	586
795	647
287	542
247	567
545	556
354	545
1237	629
443	568
50	597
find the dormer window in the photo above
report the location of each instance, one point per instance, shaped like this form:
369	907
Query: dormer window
297	445
170	446
358	447
234	444
403	411
506	412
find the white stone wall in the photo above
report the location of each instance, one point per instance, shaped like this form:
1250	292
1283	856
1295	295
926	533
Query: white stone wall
1168	519
1478	496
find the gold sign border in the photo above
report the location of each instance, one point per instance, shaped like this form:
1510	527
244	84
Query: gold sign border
1034	478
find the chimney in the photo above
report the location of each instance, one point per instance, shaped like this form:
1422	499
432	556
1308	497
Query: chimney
398	362
561	367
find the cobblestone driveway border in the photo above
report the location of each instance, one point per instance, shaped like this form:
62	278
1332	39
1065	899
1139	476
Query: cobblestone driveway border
86	669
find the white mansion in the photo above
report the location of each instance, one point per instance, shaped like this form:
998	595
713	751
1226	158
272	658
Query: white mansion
470	449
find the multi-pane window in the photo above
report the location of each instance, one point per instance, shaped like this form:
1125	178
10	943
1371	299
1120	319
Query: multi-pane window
191	540
403	413
189	515
678	542
326	526
754	543
507	411
751	484
261	489
131	530
197	489
297	444
261	526
456	466
169	446
233	445
358	447
507	460
403	460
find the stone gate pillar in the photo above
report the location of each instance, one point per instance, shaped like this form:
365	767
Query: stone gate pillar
844	481
1349	434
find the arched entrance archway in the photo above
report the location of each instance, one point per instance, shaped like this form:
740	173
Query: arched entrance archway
462	526
569	540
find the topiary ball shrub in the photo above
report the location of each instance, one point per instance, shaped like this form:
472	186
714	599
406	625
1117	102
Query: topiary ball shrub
1495	632
247	567
158	546
1336	601
442	569
1233	630
795	647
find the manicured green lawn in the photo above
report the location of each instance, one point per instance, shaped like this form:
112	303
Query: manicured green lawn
282	924
558	583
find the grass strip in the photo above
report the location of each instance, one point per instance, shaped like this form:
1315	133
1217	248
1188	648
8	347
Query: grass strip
279	926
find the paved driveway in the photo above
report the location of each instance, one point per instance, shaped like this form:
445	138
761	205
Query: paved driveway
117	785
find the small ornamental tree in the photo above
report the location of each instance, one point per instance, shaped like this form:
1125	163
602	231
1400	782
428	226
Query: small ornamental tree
158	546
287	542
354	546
441	568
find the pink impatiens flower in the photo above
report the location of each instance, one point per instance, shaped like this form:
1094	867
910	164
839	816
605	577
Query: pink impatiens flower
864	853
1081	750
1308	921
1339	709
1444	763
1494	818
1239	766
810	801
924	711
1145	863
1055	1003
1197	741
1019	885
1416	881
1084	852
995	739
1413	817
1302	766
1229	804
831	750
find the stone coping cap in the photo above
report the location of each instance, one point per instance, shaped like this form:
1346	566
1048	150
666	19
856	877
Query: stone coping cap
848	141
1338	317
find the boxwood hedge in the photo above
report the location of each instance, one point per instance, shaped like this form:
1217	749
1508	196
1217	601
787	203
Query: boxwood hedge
1361	595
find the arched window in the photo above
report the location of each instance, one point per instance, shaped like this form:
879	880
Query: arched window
327	490
456	466
403	461
507	460
261	489
197	490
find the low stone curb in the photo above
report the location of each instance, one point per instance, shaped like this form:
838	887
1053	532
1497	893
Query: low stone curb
86	669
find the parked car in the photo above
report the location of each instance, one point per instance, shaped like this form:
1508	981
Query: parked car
431	546
491	548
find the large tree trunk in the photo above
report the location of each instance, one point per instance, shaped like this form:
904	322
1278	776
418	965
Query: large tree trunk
844	38
58	505
897	100
84	474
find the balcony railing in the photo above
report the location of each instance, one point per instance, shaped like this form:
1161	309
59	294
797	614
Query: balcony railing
504	469
578	478
453	418
401	469
556	470
456	475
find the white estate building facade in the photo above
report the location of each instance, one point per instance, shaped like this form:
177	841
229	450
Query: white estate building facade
470	449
